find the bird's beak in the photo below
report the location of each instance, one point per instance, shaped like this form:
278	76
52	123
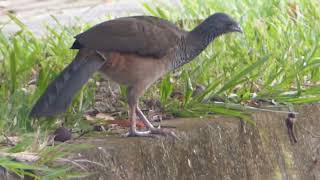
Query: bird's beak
237	28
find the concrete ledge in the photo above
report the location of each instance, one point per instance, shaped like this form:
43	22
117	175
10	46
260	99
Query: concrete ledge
215	148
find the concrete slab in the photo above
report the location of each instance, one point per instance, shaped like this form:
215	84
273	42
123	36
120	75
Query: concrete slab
35	13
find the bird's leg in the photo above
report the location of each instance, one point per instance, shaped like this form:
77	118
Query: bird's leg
133	110
151	128
133	103
151	132
133	120
145	120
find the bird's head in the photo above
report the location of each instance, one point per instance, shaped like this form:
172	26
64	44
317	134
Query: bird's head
222	23
216	25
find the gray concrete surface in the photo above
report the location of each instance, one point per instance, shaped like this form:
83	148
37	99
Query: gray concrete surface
36	13
218	147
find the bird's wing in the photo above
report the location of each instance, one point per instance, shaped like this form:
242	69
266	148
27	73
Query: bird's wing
143	35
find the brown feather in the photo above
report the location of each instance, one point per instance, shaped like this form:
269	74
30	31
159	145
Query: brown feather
133	70
59	94
142	35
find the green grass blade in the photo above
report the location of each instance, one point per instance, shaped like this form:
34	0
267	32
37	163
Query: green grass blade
246	71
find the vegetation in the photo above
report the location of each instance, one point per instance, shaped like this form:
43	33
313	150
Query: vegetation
277	58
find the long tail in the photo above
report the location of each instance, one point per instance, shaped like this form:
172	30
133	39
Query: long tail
59	94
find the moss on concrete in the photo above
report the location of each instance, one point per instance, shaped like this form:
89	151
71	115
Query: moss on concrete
214	148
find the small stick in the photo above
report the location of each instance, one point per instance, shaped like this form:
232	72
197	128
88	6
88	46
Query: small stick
290	120
9	142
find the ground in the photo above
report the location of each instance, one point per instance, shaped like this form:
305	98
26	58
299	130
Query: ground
215	147
36	13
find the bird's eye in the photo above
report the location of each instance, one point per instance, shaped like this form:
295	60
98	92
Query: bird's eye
229	24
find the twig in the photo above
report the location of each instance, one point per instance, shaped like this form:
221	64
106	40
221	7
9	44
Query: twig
82	134
88	161
246	107
72	162
9	142
269	110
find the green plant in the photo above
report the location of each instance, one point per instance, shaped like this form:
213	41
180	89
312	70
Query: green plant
277	57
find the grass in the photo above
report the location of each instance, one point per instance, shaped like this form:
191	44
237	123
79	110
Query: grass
32	157
277	58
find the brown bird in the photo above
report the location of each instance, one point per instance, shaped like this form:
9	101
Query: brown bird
133	51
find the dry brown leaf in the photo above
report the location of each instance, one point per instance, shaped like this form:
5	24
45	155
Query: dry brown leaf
89	118
103	116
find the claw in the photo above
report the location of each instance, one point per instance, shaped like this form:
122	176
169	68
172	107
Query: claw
151	132
155	132
138	134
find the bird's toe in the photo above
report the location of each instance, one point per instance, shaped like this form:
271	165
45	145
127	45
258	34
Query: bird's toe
154	132
138	134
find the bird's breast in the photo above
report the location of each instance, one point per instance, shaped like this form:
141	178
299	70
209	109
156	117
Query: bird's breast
132	69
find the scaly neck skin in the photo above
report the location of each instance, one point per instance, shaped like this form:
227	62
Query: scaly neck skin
195	42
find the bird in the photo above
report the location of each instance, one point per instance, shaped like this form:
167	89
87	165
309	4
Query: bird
134	51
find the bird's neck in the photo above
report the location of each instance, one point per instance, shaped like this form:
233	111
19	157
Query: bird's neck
204	33
194	43
201	36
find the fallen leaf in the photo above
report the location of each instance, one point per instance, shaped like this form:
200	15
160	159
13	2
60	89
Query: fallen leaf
103	116
89	118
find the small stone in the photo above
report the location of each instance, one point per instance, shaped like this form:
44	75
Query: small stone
98	128
62	134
